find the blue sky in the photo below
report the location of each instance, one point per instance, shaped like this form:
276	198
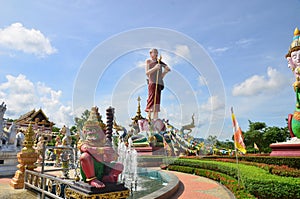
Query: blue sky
44	45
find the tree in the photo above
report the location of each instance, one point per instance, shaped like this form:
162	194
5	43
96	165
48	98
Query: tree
211	140
55	129
256	126
272	135
79	122
227	144
251	137
262	135
73	129
9	120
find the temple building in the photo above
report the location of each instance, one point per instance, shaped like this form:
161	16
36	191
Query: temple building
37	118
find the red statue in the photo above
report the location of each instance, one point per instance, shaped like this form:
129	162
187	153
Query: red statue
97	158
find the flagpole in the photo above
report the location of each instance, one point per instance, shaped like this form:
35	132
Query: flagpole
237	164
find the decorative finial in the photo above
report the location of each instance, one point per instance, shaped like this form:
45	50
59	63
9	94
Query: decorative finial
295	43
29	140
296	32
138	115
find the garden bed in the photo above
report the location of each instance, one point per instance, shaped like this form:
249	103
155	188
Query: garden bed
254	181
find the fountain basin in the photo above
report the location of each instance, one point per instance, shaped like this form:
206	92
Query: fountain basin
167	185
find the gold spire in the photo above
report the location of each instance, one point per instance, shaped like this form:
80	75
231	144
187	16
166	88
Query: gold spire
138	112
296	32
29	140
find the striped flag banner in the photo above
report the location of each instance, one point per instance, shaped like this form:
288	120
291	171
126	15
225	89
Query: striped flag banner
255	146
238	135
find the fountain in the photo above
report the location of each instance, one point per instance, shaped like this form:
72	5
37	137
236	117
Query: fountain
143	182
128	157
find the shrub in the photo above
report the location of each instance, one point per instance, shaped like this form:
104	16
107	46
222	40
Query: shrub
256	181
282	170
181	169
293	162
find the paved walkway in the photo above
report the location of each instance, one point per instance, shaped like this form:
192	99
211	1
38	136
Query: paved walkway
195	187
191	187
7	192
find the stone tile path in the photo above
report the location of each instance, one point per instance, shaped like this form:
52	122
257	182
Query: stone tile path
196	187
7	192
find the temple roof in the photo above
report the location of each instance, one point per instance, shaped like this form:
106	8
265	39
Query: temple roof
33	116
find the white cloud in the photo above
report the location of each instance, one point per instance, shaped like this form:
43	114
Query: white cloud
218	50
244	42
183	51
17	93
21	95
214	103
202	80
239	43
258	84
140	64
17	37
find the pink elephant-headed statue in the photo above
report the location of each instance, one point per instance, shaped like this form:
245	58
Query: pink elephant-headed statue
97	158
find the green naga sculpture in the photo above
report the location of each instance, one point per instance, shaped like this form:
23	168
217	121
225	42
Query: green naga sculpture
293	58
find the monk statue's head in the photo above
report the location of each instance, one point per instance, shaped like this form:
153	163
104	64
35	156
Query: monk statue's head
153	53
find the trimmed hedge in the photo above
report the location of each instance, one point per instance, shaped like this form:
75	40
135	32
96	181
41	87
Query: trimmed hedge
256	181
282	170
293	162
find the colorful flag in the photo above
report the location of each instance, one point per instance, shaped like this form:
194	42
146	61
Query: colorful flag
238	136
255	146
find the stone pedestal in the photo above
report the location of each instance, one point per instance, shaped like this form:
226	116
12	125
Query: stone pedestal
84	190
27	161
8	163
285	149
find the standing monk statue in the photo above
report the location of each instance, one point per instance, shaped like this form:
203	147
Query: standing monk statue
156	70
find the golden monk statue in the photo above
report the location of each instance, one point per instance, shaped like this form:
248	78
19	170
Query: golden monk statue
97	159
